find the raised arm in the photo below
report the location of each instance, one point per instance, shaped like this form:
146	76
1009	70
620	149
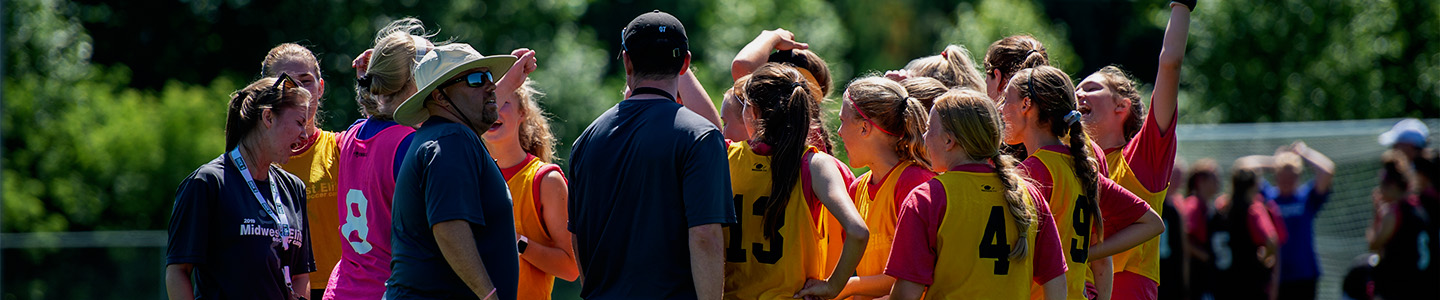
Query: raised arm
693	96
1164	100
457	244
757	52
830	186
515	76
1324	167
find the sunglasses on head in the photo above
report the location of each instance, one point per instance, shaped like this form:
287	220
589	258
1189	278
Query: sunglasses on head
286	81
474	79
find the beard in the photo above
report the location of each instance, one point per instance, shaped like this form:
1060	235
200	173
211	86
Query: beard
488	115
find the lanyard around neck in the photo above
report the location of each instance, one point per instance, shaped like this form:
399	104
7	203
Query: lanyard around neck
274	208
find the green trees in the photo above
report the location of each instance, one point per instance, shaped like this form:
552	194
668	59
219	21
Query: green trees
83	151
107	106
1263	61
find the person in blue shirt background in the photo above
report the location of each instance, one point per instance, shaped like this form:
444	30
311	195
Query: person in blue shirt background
1298	201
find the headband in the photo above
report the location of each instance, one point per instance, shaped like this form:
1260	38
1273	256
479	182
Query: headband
808	76
850	99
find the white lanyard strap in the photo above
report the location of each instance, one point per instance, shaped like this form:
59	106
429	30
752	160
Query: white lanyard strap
275	208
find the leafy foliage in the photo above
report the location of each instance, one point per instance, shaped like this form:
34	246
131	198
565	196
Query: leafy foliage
1295	60
107	106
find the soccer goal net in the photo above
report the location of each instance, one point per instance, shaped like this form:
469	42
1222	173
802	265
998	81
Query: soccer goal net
1340	226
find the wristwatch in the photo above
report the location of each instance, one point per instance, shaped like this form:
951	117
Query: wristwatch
522	243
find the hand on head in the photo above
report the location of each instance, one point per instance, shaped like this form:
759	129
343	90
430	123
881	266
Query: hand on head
897	75
527	62
362	63
515	77
785	40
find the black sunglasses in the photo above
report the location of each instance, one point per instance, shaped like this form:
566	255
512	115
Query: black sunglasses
474	79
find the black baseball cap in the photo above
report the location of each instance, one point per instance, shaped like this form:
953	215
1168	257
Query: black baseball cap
655	33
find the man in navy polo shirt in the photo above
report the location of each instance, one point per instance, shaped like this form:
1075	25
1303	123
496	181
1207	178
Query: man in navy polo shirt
650	184
452	232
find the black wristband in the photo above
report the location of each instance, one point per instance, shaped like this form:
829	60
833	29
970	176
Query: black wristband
1187	3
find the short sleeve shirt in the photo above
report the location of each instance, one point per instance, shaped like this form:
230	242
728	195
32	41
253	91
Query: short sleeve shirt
1297	255
449	175
642	174
218	225
916	239
1151	154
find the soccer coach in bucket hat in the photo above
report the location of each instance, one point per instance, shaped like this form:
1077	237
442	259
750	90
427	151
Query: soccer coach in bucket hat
650	183
452	235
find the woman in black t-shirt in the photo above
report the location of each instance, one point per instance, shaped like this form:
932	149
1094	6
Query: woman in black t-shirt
1244	241
238	224
1400	234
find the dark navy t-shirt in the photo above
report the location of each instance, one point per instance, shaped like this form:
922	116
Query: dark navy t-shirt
1297	255
218	226
641	175
449	175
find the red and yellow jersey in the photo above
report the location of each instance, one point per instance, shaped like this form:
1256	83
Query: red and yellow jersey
318	166
1073	220
977	214
774	268
1145	258
525	195
881	214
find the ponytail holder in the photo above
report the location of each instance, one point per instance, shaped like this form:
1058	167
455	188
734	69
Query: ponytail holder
1072	117
796	84
420	48
1028	52
945	55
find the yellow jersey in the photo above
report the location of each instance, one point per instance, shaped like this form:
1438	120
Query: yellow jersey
529	222
318	166
976	214
774	268
881	215
1073	221
1145	258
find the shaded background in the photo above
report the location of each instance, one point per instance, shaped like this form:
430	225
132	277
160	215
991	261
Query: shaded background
107	105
